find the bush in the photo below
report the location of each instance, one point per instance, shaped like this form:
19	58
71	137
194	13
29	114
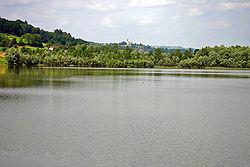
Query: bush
13	56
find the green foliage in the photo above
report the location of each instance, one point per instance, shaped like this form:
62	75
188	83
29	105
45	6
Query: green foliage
13	56
157	56
21	43
105	56
7	40
229	57
11	27
12	42
33	40
25	50
3	61
19	28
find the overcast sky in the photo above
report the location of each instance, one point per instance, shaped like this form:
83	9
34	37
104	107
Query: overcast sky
188	23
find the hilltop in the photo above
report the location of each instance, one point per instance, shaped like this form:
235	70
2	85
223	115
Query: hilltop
36	36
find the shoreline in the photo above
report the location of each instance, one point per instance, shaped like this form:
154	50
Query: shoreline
156	67
205	68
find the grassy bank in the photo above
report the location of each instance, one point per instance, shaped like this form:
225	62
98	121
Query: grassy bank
205	68
3	61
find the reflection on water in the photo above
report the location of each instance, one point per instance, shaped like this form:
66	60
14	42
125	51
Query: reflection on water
124	117
26	77
11	98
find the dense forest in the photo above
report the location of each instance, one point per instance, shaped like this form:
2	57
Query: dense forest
24	44
36	36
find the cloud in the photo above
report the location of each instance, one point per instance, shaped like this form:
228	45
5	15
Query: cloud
107	22
101	7
220	24
64	23
150	3
145	21
175	17
15	16
233	5
17	2
68	5
95	5
131	19
195	12
199	1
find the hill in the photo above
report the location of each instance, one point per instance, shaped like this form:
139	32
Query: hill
144	48
170	47
22	29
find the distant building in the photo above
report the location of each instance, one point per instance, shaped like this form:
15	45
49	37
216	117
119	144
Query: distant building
129	43
52	47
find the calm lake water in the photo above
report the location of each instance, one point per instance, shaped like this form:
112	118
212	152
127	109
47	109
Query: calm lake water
74	117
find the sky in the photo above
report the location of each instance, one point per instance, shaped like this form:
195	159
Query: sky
187	23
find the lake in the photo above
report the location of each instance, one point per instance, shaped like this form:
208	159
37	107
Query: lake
97	117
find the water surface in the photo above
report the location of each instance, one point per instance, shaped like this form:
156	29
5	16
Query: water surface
124	117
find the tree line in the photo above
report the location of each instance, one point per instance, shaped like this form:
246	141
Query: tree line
20	28
112	56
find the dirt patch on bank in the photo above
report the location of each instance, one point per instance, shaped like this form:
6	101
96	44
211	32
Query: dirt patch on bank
2	55
19	47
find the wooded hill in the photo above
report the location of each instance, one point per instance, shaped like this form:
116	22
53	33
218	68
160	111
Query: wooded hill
37	36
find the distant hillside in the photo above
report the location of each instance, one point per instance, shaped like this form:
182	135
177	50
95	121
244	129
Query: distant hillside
170	47
20	28
27	34
144	48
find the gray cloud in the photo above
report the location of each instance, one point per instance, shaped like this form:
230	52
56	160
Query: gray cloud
151	3
235	5
192	23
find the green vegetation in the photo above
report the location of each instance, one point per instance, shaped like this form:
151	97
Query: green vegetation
24	44
3	61
108	56
20	28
